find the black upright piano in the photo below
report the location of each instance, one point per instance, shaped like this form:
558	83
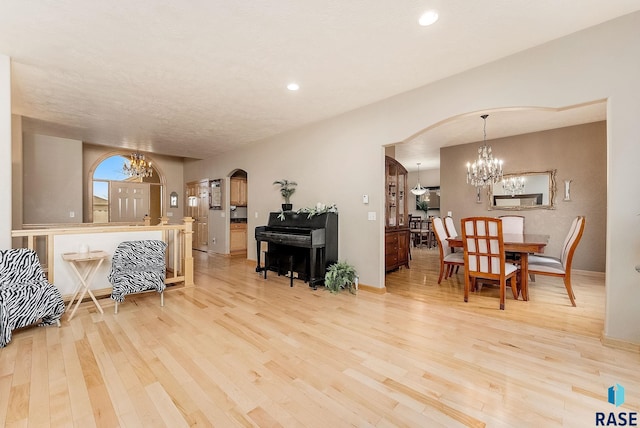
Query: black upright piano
306	246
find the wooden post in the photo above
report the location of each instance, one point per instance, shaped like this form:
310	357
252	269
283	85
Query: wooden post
147	220
188	251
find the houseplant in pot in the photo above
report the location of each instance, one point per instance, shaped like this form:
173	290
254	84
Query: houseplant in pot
287	188
340	275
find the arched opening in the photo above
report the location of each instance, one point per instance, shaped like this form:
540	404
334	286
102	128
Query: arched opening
115	196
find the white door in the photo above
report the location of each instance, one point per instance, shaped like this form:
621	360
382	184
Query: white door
128	201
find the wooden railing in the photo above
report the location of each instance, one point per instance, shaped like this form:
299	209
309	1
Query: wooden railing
178	237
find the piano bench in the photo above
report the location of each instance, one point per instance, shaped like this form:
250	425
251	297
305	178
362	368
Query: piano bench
291	270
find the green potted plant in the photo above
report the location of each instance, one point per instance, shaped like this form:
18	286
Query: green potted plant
287	188
423	206
341	275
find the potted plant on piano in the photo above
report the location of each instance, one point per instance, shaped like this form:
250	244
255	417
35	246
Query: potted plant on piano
341	275
287	188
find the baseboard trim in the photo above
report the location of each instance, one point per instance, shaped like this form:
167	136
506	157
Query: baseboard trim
620	344
589	273
371	289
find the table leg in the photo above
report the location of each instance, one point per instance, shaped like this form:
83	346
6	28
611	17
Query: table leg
85	282
524	275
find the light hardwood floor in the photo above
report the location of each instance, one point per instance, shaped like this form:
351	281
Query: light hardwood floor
236	350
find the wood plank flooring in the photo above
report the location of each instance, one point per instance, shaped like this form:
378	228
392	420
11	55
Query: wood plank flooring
236	350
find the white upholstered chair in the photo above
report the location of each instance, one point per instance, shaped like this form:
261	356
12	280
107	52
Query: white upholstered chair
512	224
560	266
448	258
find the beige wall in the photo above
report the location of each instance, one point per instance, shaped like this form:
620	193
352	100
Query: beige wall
342	158
578	153
5	151
52	187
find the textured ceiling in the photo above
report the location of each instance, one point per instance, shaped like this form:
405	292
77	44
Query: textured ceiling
202	77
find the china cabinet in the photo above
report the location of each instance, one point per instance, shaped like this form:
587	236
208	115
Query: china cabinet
396	216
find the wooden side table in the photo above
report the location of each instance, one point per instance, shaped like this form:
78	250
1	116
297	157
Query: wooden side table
85	267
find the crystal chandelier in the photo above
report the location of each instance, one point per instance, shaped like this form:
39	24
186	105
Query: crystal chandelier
513	185
485	170
138	166
418	190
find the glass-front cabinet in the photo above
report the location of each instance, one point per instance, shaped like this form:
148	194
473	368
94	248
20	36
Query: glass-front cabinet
396	215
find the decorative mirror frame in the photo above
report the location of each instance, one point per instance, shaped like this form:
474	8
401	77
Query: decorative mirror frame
551	174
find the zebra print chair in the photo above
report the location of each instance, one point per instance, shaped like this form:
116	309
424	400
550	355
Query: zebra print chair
138	266
25	294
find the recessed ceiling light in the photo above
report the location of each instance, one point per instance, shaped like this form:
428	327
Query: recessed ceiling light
428	18
293	86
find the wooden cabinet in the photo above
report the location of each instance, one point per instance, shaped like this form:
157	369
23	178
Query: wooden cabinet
237	237
397	235
238	191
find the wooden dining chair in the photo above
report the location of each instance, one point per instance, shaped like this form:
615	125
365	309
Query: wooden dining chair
484	256
561	266
448	259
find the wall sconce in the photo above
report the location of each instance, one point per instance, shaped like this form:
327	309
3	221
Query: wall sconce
173	200
567	190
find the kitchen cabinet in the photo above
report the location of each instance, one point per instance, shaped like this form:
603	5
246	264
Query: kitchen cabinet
238	191
238	237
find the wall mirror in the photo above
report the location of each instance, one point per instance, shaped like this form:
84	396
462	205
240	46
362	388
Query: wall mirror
524	191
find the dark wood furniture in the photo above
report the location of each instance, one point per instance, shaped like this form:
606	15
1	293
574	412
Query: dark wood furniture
297	243
522	244
397	235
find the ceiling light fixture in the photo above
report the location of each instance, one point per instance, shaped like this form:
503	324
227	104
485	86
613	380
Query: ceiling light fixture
418	190
485	170
293	86
428	18
138	166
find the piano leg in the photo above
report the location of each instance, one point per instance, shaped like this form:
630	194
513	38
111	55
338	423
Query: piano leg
258	268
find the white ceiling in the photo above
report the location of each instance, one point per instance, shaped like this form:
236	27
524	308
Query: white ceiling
202	77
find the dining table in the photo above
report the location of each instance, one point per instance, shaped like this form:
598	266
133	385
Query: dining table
523	244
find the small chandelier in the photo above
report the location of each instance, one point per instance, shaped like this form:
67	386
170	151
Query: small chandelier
419	190
513	185
138	166
485	170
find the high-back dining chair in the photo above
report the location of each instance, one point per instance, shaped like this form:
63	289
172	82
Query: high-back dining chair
561	266
450	225
512	224
448	258
484	255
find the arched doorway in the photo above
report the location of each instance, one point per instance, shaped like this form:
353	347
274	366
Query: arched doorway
117	197
238	213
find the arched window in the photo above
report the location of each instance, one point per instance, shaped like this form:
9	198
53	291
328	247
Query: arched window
109	175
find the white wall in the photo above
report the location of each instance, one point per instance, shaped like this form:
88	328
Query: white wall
64	277
340	159
5	151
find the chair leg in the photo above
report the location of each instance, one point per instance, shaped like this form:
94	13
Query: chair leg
503	289
441	272
514	287
567	285
116	308
467	285
162	299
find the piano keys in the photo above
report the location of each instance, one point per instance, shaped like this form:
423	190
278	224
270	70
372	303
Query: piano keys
306	246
